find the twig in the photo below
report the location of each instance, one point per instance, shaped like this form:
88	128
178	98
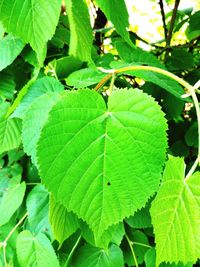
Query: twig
163	18
171	27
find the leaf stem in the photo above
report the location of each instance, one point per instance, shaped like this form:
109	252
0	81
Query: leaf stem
130	243
14	228
111	84
103	81
192	169
4	243
185	84
142	245
72	251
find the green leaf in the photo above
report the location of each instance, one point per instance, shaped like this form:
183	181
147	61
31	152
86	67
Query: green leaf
140	246
172	106
113	234
191	136
81	143
10	48
161	80
34	90
85	77
30	56
64	66
7	85
175	215
12	196
141	219
2	30
11	242
193	30
37	204
63	223
150	258
80	30
179	60
35	250
20	95
116	12
33	122
134	54
88	256
10	131
33	21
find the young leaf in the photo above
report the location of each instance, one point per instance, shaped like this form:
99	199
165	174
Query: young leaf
80	30
85	77
64	66
37	204
116	12
89	256
12	196
34	90
10	48
33	122
81	143
34	21
35	250
63	223
10	130
175	215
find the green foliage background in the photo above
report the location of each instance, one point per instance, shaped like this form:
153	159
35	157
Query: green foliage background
99	138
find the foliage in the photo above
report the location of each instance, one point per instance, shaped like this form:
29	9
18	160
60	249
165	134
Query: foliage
99	144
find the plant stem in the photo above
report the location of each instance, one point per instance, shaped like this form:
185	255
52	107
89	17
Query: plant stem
103	81
111	84
14	228
72	251
9	235
185	84
169	36
142	245
163	18
193	168
130	243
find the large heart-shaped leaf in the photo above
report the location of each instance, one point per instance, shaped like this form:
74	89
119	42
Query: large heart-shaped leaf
96	159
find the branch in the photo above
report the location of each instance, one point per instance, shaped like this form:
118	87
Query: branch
163	18
174	13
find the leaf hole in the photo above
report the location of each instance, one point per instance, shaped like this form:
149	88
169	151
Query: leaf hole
108	183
